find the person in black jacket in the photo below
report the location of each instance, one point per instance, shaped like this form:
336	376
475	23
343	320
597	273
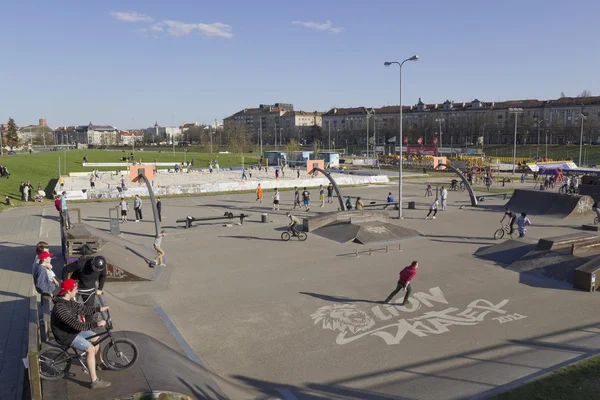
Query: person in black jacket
159	209
86	271
69	331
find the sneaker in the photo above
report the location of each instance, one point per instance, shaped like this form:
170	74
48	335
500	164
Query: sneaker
426	217
433	217
137	220
100	384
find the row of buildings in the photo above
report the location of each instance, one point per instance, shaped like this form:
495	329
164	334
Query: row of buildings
457	122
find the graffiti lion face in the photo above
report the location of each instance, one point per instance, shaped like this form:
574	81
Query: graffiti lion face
343	317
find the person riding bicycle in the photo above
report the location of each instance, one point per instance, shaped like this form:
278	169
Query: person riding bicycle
293	221
567	184
86	271
454	184
512	218
69	331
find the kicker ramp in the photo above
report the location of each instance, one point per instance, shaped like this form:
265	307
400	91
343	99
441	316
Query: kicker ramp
544	202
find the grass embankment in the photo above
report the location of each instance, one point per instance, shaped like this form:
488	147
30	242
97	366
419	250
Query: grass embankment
579	381
589	155
43	167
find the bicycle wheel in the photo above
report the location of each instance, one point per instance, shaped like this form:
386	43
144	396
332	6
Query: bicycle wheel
561	190
301	236
120	354
54	363
285	236
499	234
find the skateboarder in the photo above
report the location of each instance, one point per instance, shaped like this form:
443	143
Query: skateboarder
406	276
512	217
259	193
522	223
433	209
157	242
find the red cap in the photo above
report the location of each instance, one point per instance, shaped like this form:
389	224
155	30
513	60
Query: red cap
44	254
67	285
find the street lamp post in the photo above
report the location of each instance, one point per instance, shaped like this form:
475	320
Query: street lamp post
515	111
439	121
539	124
583	117
400	64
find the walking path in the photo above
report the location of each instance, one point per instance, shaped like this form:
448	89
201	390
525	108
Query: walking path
19	231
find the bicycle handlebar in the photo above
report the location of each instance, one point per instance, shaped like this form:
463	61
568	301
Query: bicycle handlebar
107	319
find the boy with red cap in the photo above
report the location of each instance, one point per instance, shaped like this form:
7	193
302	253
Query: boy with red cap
69	331
406	276
41	278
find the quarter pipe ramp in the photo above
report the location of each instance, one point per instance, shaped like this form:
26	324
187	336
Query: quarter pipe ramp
538	202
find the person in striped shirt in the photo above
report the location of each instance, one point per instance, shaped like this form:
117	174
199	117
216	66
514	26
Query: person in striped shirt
69	331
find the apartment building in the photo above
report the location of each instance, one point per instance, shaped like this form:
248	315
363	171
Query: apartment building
470	122
90	134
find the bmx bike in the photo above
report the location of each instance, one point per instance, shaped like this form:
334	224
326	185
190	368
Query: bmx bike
285	236
499	234
568	190
118	354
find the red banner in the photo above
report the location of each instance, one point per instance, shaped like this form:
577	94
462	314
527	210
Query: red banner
405	139
435	140
420	140
421	151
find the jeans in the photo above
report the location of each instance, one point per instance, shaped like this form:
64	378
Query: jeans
432	210
399	287
292	229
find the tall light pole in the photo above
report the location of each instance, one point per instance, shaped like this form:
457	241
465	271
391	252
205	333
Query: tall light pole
539	124
369	113
583	117
439	121
515	111
400	64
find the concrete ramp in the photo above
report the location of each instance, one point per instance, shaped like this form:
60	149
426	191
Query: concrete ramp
365	233
507	252
544	202
127	261
381	232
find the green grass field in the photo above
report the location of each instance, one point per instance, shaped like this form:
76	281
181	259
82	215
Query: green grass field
579	381
43	167
589	155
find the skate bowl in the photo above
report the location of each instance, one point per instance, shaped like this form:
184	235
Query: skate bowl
315	222
543	202
127	261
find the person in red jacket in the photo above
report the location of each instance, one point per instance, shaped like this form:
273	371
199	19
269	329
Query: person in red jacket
406	276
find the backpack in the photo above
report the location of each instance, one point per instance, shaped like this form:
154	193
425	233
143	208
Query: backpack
57	204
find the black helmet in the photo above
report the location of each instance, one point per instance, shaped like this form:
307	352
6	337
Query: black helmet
99	263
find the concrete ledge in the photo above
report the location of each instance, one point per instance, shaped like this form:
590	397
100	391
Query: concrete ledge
312	223
565	241
594	228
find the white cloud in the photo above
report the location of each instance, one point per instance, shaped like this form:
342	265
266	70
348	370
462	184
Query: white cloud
131	16
158	27
327	26
218	29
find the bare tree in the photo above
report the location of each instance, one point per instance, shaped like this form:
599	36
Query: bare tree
585	93
239	138
292	146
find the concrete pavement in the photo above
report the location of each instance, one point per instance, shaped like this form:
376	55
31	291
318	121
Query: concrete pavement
303	320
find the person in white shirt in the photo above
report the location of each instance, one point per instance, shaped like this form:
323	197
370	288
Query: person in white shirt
444	194
522	223
433	209
124	208
276	200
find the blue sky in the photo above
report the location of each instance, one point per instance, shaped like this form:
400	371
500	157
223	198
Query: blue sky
131	63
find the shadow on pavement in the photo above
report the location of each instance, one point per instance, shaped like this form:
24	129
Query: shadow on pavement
337	299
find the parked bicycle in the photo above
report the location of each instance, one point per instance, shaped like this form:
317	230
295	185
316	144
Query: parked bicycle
285	236
499	234
567	190
118	354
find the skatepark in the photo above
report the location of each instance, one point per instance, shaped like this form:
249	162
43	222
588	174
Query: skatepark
237	313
